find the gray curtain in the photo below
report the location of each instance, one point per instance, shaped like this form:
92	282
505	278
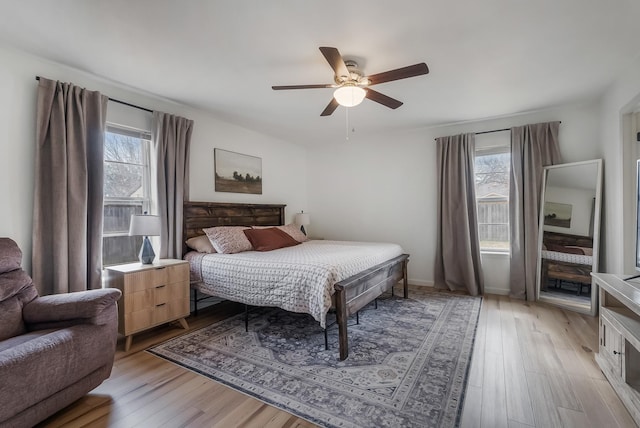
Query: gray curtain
67	211
171	137
532	147
458	265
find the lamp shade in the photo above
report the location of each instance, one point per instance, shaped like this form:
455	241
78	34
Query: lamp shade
144	225
303	219
349	96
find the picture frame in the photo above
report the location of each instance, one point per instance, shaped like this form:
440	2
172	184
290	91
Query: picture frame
558	215
237	172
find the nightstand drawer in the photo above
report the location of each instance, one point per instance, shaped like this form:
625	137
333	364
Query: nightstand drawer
134	302
171	310
143	280
177	273
171	292
138	321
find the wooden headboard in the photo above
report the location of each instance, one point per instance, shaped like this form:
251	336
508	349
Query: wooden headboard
199	215
565	239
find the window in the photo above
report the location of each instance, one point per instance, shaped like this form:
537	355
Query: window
492	170
126	191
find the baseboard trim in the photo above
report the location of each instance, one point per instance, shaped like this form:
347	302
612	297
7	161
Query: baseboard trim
493	290
421	283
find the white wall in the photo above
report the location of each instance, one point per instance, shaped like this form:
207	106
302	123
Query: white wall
617	146
383	187
283	164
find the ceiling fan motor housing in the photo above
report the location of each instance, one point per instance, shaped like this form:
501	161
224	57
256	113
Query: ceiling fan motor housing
355	77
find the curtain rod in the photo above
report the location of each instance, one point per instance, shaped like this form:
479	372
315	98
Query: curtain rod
505	129
119	102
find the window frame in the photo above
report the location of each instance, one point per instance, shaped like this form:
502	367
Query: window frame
145	201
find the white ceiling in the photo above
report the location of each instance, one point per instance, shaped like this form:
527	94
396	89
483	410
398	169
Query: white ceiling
487	58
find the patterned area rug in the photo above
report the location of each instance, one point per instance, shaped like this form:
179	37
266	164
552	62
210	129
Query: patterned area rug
407	366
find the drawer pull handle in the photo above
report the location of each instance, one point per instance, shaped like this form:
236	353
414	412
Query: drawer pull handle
161	267
617	353
161	286
161	304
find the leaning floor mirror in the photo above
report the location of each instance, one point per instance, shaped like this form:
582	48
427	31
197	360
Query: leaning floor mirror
569	235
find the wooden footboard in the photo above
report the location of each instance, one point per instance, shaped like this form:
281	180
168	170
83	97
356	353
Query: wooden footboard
355	292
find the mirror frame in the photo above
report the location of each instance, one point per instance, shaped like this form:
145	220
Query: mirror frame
593	309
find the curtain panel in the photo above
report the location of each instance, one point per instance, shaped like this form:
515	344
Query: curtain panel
67	211
458	264
532	147
171	136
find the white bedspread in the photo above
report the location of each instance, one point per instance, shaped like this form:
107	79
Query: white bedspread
297	279
580	259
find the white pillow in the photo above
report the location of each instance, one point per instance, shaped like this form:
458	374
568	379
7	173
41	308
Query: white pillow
201	244
294	231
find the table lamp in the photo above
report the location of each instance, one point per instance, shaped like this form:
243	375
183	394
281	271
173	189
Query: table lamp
145	225
303	220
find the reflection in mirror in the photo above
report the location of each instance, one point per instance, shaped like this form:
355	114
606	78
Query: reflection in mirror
569	235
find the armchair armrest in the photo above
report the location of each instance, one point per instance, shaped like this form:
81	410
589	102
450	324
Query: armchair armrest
71	306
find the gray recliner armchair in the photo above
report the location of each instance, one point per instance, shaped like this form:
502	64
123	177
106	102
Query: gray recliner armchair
53	349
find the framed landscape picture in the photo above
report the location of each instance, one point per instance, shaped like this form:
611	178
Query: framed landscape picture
237	173
556	214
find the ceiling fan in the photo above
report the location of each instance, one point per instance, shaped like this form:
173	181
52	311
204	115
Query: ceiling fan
352	86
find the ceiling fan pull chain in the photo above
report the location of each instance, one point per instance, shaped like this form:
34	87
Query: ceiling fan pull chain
347	128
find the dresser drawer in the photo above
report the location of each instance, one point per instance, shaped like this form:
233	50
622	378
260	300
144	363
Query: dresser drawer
138	321
177	273
171	292
139	300
143	280
170	310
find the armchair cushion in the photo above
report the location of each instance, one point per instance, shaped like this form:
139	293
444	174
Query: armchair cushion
10	255
70	306
40	368
16	290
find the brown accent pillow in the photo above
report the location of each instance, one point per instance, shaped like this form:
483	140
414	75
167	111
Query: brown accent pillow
200	244
269	239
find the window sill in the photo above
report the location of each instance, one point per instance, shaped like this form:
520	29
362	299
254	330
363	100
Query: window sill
495	253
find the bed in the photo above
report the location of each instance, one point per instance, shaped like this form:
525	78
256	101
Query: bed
567	258
346	289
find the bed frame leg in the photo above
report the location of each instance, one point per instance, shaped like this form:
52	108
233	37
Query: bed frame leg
195	302
341	318
376	303
326	340
405	280
246	318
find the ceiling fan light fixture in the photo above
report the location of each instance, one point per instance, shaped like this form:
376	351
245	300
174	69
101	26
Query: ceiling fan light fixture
349	96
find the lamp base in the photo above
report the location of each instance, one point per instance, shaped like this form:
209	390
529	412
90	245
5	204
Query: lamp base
146	252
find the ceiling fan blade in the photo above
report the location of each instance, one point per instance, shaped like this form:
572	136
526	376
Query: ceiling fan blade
383	99
399	73
279	88
329	109
335	60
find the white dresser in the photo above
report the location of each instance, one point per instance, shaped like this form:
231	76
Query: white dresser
619	350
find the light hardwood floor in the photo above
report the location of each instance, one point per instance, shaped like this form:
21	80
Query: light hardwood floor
533	366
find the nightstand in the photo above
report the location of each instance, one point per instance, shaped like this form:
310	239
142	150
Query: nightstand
152	295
